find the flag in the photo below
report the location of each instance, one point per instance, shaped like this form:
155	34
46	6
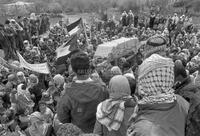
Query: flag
40	68
64	51
75	27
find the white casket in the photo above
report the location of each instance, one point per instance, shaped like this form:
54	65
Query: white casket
117	48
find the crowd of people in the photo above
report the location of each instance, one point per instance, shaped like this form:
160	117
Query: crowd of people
154	93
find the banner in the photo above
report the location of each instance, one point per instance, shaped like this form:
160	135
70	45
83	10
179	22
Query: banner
40	68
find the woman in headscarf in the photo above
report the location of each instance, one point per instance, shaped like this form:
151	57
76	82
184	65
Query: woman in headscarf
24	100
116	71
21	78
69	129
35	90
37	126
113	114
161	112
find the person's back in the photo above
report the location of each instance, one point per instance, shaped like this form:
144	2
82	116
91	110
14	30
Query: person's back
161	119
79	103
114	113
123	128
161	112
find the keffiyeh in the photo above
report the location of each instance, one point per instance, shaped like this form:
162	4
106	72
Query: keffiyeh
156	79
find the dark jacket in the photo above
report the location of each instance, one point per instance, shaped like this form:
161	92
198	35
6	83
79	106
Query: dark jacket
160	119
192	93
79	104
181	87
36	90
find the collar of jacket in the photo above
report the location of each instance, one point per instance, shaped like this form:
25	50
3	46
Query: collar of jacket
155	107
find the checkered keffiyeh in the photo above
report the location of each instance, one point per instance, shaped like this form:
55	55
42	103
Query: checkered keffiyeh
156	86
111	114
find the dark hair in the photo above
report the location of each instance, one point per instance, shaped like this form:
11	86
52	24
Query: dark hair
179	70
7	22
126	65
23	87
1	25
132	83
80	63
19	17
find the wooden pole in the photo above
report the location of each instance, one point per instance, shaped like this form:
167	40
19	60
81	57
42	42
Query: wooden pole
84	29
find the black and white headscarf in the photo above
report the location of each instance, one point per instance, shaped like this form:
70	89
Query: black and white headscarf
156	79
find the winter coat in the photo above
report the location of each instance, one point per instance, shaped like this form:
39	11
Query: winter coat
79	104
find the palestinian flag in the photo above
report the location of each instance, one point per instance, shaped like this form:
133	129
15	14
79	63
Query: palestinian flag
63	52
75	27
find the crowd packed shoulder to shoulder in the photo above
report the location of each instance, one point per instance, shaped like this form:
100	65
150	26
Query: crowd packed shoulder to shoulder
154	93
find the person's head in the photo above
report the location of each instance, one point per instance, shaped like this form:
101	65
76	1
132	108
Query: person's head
21	88
95	76
11	78
59	80
26	43
175	14
4	71
69	129
56	96
21	77
179	71
33	16
1	26
7	22
116	71
60	23
80	63
119	87
25	20
35	118
42	106
33	79
126	66
19	18
155	80
12	21
132	82
155	45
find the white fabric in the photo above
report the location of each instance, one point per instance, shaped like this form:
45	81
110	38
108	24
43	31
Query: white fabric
40	68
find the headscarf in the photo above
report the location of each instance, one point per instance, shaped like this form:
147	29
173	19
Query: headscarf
69	129
38	127
59	79
33	79
21	74
24	98
155	80
119	87
110	113
116	70
95	76
33	16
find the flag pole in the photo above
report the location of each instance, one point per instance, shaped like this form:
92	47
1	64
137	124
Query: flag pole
50	74
84	29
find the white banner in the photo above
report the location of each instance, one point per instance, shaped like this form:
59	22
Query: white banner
40	68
